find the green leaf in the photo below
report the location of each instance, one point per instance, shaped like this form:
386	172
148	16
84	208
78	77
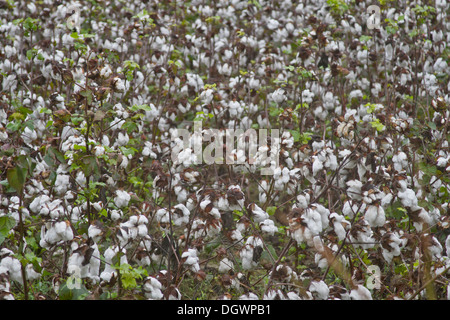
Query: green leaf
143	107
6	224
271	210
16	178
377	125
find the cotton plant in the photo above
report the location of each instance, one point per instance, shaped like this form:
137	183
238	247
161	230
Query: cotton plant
349	162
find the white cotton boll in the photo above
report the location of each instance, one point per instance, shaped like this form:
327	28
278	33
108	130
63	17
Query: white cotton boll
273	24
319	289
360	293
14	268
122	198
116	214
62	184
317	165
394	244
122	139
386	200
408	198
110	270
400	161
313	220
236	235
142	230
31	274
64	230
268	227
246	253
99	150
375	216
278	96
81	179
29	135
354	189
162	216
38	203
152	288
259	215
293	296
338	225
249	296
191	259
274	295
94	232
181	215
447	245
225	265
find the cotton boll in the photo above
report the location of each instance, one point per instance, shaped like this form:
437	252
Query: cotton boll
375	216
278	96
122	198
152	288
319	290
339	225
14	268
391	246
258	214
247	252
62	184
110	271
354	189
408	198
94	232
249	296
268	226
226	265
447	245
191	259
64	230
360	293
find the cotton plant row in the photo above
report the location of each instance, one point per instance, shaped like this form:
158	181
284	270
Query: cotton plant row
95	205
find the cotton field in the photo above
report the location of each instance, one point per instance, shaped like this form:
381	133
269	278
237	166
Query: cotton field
224	150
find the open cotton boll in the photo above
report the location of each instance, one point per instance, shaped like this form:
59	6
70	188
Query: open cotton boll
339	225
14	268
447	245
191	259
64	230
122	198
258	214
247	252
391	246
180	215
278	96
354	189
62	183
319	289
375	216
109	255
249	296
152	288
268	226
408	198
360	293
225	265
